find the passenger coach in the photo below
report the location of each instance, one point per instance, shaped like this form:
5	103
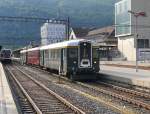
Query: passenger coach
70	58
31	56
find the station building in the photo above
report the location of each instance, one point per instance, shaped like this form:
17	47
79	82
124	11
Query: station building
125	29
102	37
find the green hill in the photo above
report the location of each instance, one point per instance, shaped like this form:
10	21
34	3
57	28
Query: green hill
83	13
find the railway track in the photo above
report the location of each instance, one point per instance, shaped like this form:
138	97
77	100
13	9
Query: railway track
126	85
90	106
23	104
127	95
133	93
115	91
42	99
127	90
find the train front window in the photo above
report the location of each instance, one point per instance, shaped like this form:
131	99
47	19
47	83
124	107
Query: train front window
6	51
85	52
73	53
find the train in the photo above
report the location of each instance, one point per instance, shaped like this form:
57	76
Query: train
6	55
76	59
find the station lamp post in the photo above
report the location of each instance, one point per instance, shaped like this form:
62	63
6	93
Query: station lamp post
136	15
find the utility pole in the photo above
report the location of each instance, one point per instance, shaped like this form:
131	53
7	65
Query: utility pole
68	28
136	15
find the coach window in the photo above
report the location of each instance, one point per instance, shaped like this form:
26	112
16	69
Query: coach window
95	53
50	54
46	54
54	54
58	53
73	53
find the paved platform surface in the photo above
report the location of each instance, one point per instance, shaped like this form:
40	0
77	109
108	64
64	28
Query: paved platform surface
131	63
127	75
7	104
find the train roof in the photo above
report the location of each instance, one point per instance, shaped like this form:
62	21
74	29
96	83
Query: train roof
56	45
6	49
31	49
63	44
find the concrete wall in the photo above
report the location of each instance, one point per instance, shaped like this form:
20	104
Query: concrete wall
126	47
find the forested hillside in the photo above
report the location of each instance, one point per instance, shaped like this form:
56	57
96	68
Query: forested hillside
82	13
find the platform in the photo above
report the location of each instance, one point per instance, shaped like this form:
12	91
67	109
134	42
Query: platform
127	75
124	63
7	104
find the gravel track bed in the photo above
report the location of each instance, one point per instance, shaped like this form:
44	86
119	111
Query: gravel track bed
45	77
129	95
47	103
128	86
23	105
87	105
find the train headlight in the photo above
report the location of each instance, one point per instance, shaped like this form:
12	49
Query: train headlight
84	44
95	62
74	62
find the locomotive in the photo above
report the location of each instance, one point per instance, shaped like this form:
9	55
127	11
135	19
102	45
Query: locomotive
6	55
70	58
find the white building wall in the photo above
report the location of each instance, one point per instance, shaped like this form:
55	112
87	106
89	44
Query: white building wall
126	47
126	43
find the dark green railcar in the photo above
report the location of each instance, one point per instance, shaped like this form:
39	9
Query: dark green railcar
77	59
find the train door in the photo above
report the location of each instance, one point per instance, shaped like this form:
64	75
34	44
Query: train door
42	58
85	55
62	58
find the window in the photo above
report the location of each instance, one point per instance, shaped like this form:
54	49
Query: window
143	43
6	52
123	18
59	53
49	54
46	54
54	54
73	53
95	53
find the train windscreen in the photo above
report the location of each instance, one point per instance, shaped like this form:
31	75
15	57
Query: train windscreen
6	53
85	54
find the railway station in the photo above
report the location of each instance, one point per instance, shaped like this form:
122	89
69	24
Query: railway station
63	58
